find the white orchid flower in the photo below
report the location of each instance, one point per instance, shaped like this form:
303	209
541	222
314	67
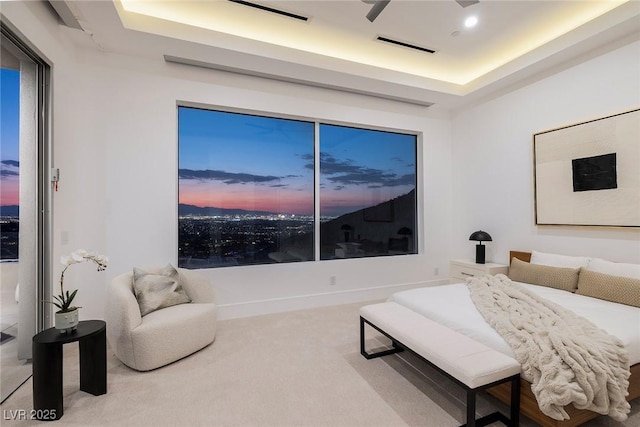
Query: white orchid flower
64	299
79	255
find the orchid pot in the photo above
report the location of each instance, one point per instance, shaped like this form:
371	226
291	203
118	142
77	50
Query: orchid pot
67	321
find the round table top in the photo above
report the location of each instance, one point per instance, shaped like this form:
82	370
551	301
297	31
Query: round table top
85	328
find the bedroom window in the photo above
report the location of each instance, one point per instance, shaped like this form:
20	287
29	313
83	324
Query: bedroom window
367	192
246	190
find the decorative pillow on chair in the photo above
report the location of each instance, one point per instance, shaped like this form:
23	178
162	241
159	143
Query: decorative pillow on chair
158	290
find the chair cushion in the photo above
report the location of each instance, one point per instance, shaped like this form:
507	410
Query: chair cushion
172	333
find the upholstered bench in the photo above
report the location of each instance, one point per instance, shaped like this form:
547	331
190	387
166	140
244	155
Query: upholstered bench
469	363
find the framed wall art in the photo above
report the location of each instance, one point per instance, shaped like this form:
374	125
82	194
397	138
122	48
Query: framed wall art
588	174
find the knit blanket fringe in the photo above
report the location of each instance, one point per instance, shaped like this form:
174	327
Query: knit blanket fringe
566	358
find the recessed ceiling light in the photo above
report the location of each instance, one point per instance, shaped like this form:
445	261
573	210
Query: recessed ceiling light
470	22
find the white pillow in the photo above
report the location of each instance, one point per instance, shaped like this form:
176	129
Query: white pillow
555	260
614	268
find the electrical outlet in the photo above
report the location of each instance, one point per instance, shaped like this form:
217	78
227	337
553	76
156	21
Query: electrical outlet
436	271
332	280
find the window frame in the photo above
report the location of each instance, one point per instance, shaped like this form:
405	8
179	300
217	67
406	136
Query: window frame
418	150
36	230
417	223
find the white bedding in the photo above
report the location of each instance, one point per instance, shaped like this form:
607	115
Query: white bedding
451	306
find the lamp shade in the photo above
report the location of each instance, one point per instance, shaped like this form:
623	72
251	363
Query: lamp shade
480	236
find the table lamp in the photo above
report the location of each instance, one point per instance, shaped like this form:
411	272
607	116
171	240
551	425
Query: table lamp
480	236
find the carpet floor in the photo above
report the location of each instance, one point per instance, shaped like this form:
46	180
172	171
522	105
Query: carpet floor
300	368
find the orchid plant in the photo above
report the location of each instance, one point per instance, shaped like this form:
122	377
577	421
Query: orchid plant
64	299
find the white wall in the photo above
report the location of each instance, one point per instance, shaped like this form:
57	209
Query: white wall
135	109
493	163
115	142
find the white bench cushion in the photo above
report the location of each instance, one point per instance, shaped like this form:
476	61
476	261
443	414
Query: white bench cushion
465	359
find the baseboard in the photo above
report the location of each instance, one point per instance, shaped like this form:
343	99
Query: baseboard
301	302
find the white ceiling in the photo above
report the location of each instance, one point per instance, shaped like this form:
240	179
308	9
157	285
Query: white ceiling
337	47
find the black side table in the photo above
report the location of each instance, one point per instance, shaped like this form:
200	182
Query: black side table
47	366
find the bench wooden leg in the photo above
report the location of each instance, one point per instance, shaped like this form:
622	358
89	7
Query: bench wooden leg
394	349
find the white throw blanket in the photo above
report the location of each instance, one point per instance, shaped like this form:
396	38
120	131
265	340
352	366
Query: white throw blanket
565	357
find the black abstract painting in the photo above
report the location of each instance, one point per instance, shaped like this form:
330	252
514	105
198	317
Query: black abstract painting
595	173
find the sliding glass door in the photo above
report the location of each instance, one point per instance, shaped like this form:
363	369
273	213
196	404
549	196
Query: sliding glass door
24	212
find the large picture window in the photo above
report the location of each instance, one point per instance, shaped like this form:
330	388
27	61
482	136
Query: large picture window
246	190
367	192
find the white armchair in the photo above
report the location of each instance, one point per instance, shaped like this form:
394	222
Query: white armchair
165	335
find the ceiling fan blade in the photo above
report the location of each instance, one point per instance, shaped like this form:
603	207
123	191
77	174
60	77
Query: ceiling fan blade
465	3
378	6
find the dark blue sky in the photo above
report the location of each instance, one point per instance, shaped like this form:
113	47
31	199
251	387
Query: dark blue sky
9	136
9	113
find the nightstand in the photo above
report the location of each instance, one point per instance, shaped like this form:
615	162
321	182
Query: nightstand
461	269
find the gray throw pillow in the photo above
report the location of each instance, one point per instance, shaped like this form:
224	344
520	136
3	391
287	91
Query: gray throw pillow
158	290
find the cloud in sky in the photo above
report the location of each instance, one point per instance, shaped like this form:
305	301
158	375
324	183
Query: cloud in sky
9	182
403	162
347	172
9	168
227	177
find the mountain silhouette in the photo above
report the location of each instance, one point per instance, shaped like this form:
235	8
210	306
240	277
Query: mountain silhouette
377	223
382	229
191	210
10	210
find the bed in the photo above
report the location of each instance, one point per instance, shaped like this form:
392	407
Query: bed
462	316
